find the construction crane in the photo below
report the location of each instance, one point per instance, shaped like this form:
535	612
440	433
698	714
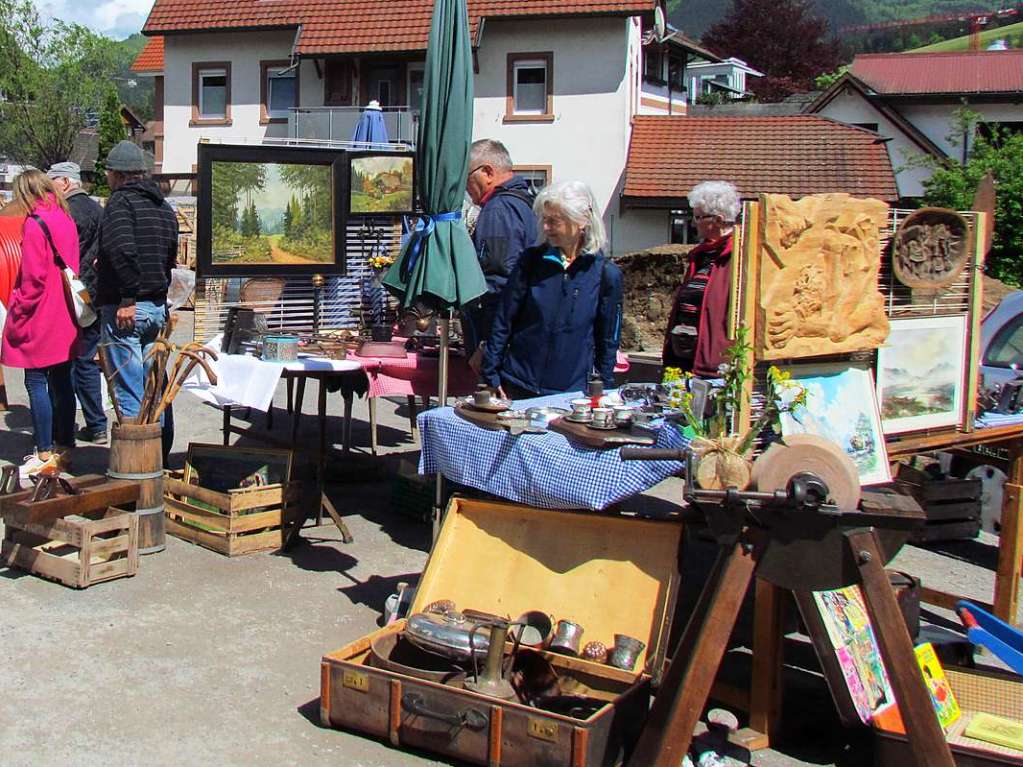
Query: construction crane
977	21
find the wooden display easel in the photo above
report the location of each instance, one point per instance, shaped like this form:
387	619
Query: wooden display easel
687	683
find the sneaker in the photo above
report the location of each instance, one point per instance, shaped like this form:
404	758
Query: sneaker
85	434
33	465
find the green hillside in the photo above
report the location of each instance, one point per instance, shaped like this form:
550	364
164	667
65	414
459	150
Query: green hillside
1011	33
695	16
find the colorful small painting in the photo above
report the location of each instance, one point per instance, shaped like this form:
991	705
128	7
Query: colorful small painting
844	615
382	184
921	373
271	214
842	407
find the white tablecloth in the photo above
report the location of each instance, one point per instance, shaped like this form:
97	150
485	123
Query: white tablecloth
250	382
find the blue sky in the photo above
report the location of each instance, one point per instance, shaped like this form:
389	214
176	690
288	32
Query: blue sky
114	18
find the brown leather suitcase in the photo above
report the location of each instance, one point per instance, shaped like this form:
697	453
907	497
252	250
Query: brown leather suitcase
608	573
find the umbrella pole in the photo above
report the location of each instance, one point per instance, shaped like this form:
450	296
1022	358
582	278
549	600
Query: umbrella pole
444	331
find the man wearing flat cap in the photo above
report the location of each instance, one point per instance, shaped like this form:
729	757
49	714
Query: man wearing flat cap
138	247
85	373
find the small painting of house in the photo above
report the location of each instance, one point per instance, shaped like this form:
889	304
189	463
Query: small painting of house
382	184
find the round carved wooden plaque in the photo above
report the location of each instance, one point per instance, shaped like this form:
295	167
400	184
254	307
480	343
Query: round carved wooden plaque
931	248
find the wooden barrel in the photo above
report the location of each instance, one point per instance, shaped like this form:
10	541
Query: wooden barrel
136	453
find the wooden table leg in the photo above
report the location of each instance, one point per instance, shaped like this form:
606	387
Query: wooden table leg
3	391
768	657
346	429
926	738
321	455
683	693
297	412
411	399
226	427
1010	543
373	425
291	393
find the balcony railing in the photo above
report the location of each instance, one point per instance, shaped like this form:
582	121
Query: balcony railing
338	123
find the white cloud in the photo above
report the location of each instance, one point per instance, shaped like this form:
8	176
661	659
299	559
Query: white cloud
114	18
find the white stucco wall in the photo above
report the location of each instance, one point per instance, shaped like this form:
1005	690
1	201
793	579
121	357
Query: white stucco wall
244	50
937	121
589	136
851	108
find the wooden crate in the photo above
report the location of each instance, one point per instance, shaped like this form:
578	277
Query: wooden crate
75	550
952	507
994	692
243	521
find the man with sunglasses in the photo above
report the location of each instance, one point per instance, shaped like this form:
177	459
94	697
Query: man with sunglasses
505	227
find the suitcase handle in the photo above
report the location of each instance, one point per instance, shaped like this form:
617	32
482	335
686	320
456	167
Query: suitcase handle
414	703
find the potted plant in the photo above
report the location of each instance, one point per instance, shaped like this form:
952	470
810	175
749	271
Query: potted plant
723	455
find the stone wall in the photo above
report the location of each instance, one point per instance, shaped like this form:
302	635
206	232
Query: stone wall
651	277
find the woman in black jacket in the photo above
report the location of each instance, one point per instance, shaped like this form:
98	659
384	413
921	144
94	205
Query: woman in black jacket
561	312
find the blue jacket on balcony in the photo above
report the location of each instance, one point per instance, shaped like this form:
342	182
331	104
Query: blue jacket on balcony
555	326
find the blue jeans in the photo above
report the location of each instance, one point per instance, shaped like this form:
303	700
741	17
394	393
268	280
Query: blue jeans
85	375
127	348
52	402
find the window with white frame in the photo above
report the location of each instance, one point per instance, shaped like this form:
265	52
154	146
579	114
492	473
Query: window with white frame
538	176
212	94
281	91
530	91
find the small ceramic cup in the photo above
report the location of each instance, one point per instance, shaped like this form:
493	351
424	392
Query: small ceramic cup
603	417
581	407
624	414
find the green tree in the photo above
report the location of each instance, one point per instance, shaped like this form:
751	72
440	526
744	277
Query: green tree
111	130
953	185
54	77
230	181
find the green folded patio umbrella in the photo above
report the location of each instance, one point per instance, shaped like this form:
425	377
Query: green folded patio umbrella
438	265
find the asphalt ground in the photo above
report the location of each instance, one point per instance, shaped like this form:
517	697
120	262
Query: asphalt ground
205	659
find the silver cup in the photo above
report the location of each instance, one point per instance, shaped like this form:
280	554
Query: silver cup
625	653
603	417
567	637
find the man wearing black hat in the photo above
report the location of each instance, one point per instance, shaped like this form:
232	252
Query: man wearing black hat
85	374
137	250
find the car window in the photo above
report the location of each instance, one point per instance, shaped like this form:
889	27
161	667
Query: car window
1007	346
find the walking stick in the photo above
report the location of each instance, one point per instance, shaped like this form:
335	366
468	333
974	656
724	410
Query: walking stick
104	363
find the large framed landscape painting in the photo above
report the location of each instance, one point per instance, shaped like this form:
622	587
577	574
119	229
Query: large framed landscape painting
921	370
270	210
841	406
382	183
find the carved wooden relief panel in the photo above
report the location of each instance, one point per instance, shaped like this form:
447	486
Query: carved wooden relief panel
819	265
931	248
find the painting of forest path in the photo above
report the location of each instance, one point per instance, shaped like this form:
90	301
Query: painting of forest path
920	372
381	184
272	213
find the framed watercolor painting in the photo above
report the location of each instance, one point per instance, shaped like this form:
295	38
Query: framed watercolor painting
382	183
842	406
921	374
268	210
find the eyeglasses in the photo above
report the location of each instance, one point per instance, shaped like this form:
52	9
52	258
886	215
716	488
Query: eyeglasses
705	216
478	167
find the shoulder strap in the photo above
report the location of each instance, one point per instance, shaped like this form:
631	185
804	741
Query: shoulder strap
49	239
524	196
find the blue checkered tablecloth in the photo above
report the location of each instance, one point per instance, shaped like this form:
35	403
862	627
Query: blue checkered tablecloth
543	470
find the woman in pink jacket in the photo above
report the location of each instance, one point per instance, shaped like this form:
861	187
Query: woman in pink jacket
40	334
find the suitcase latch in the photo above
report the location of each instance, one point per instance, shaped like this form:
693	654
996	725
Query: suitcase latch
544	729
355	680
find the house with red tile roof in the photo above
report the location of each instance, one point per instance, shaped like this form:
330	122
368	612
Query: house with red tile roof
558	81
795	155
911	99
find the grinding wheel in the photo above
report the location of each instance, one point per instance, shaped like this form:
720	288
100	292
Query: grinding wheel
816	455
807	550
